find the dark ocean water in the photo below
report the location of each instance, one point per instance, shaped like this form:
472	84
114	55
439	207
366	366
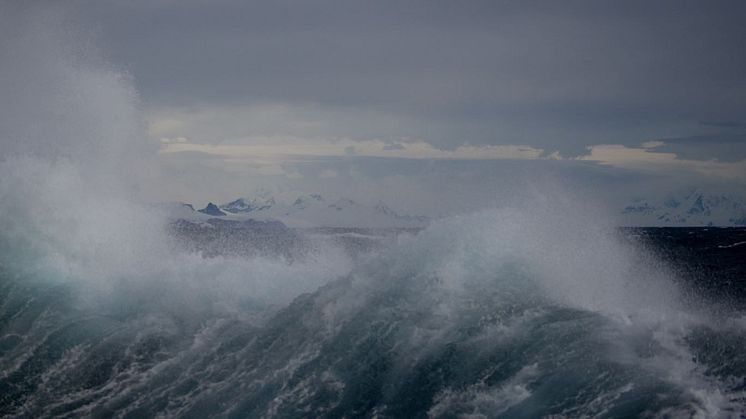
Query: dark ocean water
443	323
710	260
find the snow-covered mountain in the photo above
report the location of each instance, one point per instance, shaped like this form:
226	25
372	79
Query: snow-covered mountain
315	211
244	205
692	208
212	209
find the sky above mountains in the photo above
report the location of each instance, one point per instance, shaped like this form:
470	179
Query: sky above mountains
405	98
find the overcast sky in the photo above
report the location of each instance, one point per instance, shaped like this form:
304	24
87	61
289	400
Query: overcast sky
298	93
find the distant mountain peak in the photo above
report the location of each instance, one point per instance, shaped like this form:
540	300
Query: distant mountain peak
212	209
306	201
698	207
243	205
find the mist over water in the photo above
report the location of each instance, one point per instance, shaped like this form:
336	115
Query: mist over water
537	307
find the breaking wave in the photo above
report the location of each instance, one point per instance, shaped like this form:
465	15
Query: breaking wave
538	308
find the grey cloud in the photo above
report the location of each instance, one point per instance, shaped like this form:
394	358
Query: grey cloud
729	138
728	147
554	75
724	124
394	146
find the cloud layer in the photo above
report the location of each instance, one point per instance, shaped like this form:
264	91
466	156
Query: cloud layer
238	93
555	76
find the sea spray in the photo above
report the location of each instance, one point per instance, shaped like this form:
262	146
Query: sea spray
74	151
75	162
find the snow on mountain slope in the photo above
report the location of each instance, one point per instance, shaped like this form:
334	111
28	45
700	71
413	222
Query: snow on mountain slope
245	205
693	208
315	211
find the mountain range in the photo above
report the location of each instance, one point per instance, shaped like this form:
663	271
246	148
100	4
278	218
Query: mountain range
686	209
691	208
313	211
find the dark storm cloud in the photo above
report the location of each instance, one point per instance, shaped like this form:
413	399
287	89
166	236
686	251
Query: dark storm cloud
555	75
724	124
725	147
